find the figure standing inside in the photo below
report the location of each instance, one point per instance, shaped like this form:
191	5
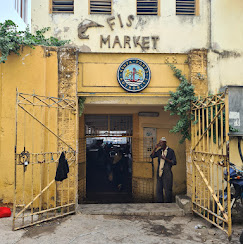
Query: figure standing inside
166	159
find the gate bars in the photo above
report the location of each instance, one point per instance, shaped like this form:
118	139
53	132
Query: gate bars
143	180
45	127
210	160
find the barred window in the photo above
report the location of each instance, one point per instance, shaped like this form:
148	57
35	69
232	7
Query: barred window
186	7
147	7
100	6
62	6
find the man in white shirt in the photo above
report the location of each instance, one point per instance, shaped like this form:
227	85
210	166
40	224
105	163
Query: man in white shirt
166	159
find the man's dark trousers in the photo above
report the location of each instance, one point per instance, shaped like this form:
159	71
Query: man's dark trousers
164	182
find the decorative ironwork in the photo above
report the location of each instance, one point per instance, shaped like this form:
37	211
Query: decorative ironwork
210	160
46	126
24	159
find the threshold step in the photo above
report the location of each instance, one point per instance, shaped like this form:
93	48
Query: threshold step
136	209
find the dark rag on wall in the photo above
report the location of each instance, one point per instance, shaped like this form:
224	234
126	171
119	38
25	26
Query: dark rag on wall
62	168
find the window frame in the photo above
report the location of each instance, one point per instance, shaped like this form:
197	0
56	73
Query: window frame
21	7
60	12
89	8
158	9
196	12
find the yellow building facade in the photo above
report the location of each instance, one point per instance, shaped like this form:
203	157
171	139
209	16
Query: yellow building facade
32	73
105	96
40	66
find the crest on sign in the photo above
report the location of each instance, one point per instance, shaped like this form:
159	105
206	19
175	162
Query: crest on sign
133	75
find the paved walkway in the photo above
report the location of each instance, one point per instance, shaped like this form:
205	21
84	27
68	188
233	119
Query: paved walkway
83	228
133	209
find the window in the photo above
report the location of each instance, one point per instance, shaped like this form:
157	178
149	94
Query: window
147	7
100	6
186	7
21	6
62	6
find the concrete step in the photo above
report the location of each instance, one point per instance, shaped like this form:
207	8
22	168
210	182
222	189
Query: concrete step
185	203
135	209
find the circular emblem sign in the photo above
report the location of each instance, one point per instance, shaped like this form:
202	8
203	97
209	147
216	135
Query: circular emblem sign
133	75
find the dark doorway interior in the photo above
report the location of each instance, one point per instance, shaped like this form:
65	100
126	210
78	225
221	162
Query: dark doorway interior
108	158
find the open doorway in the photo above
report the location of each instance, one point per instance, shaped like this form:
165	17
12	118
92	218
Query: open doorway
108	158
97	129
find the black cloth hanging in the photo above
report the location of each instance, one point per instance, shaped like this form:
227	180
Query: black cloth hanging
62	168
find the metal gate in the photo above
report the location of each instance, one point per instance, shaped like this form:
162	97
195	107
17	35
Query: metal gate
45	127
143	180
210	161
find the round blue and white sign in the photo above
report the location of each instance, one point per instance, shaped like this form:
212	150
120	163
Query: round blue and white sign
133	75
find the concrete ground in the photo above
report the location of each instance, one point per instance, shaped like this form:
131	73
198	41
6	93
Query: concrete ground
132	209
110	228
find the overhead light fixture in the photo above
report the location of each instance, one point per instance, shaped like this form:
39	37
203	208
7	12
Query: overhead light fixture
148	114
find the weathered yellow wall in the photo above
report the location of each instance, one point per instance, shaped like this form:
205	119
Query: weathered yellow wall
163	124
97	82
234	155
225	58
198	64
97	75
216	28
36	70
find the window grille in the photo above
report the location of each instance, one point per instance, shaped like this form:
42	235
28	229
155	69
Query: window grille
108	125
147	7
100	6
185	7
62	6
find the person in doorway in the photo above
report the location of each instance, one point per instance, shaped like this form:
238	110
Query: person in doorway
118	170
166	159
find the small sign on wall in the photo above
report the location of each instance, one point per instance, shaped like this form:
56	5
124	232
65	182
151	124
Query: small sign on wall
133	75
234	118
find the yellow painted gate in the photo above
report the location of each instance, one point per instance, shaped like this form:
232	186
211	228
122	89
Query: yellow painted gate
210	161
45	127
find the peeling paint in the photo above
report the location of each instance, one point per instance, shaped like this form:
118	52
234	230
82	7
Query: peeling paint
53	49
141	22
66	29
57	31
24	58
47	53
227	54
66	72
85	49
